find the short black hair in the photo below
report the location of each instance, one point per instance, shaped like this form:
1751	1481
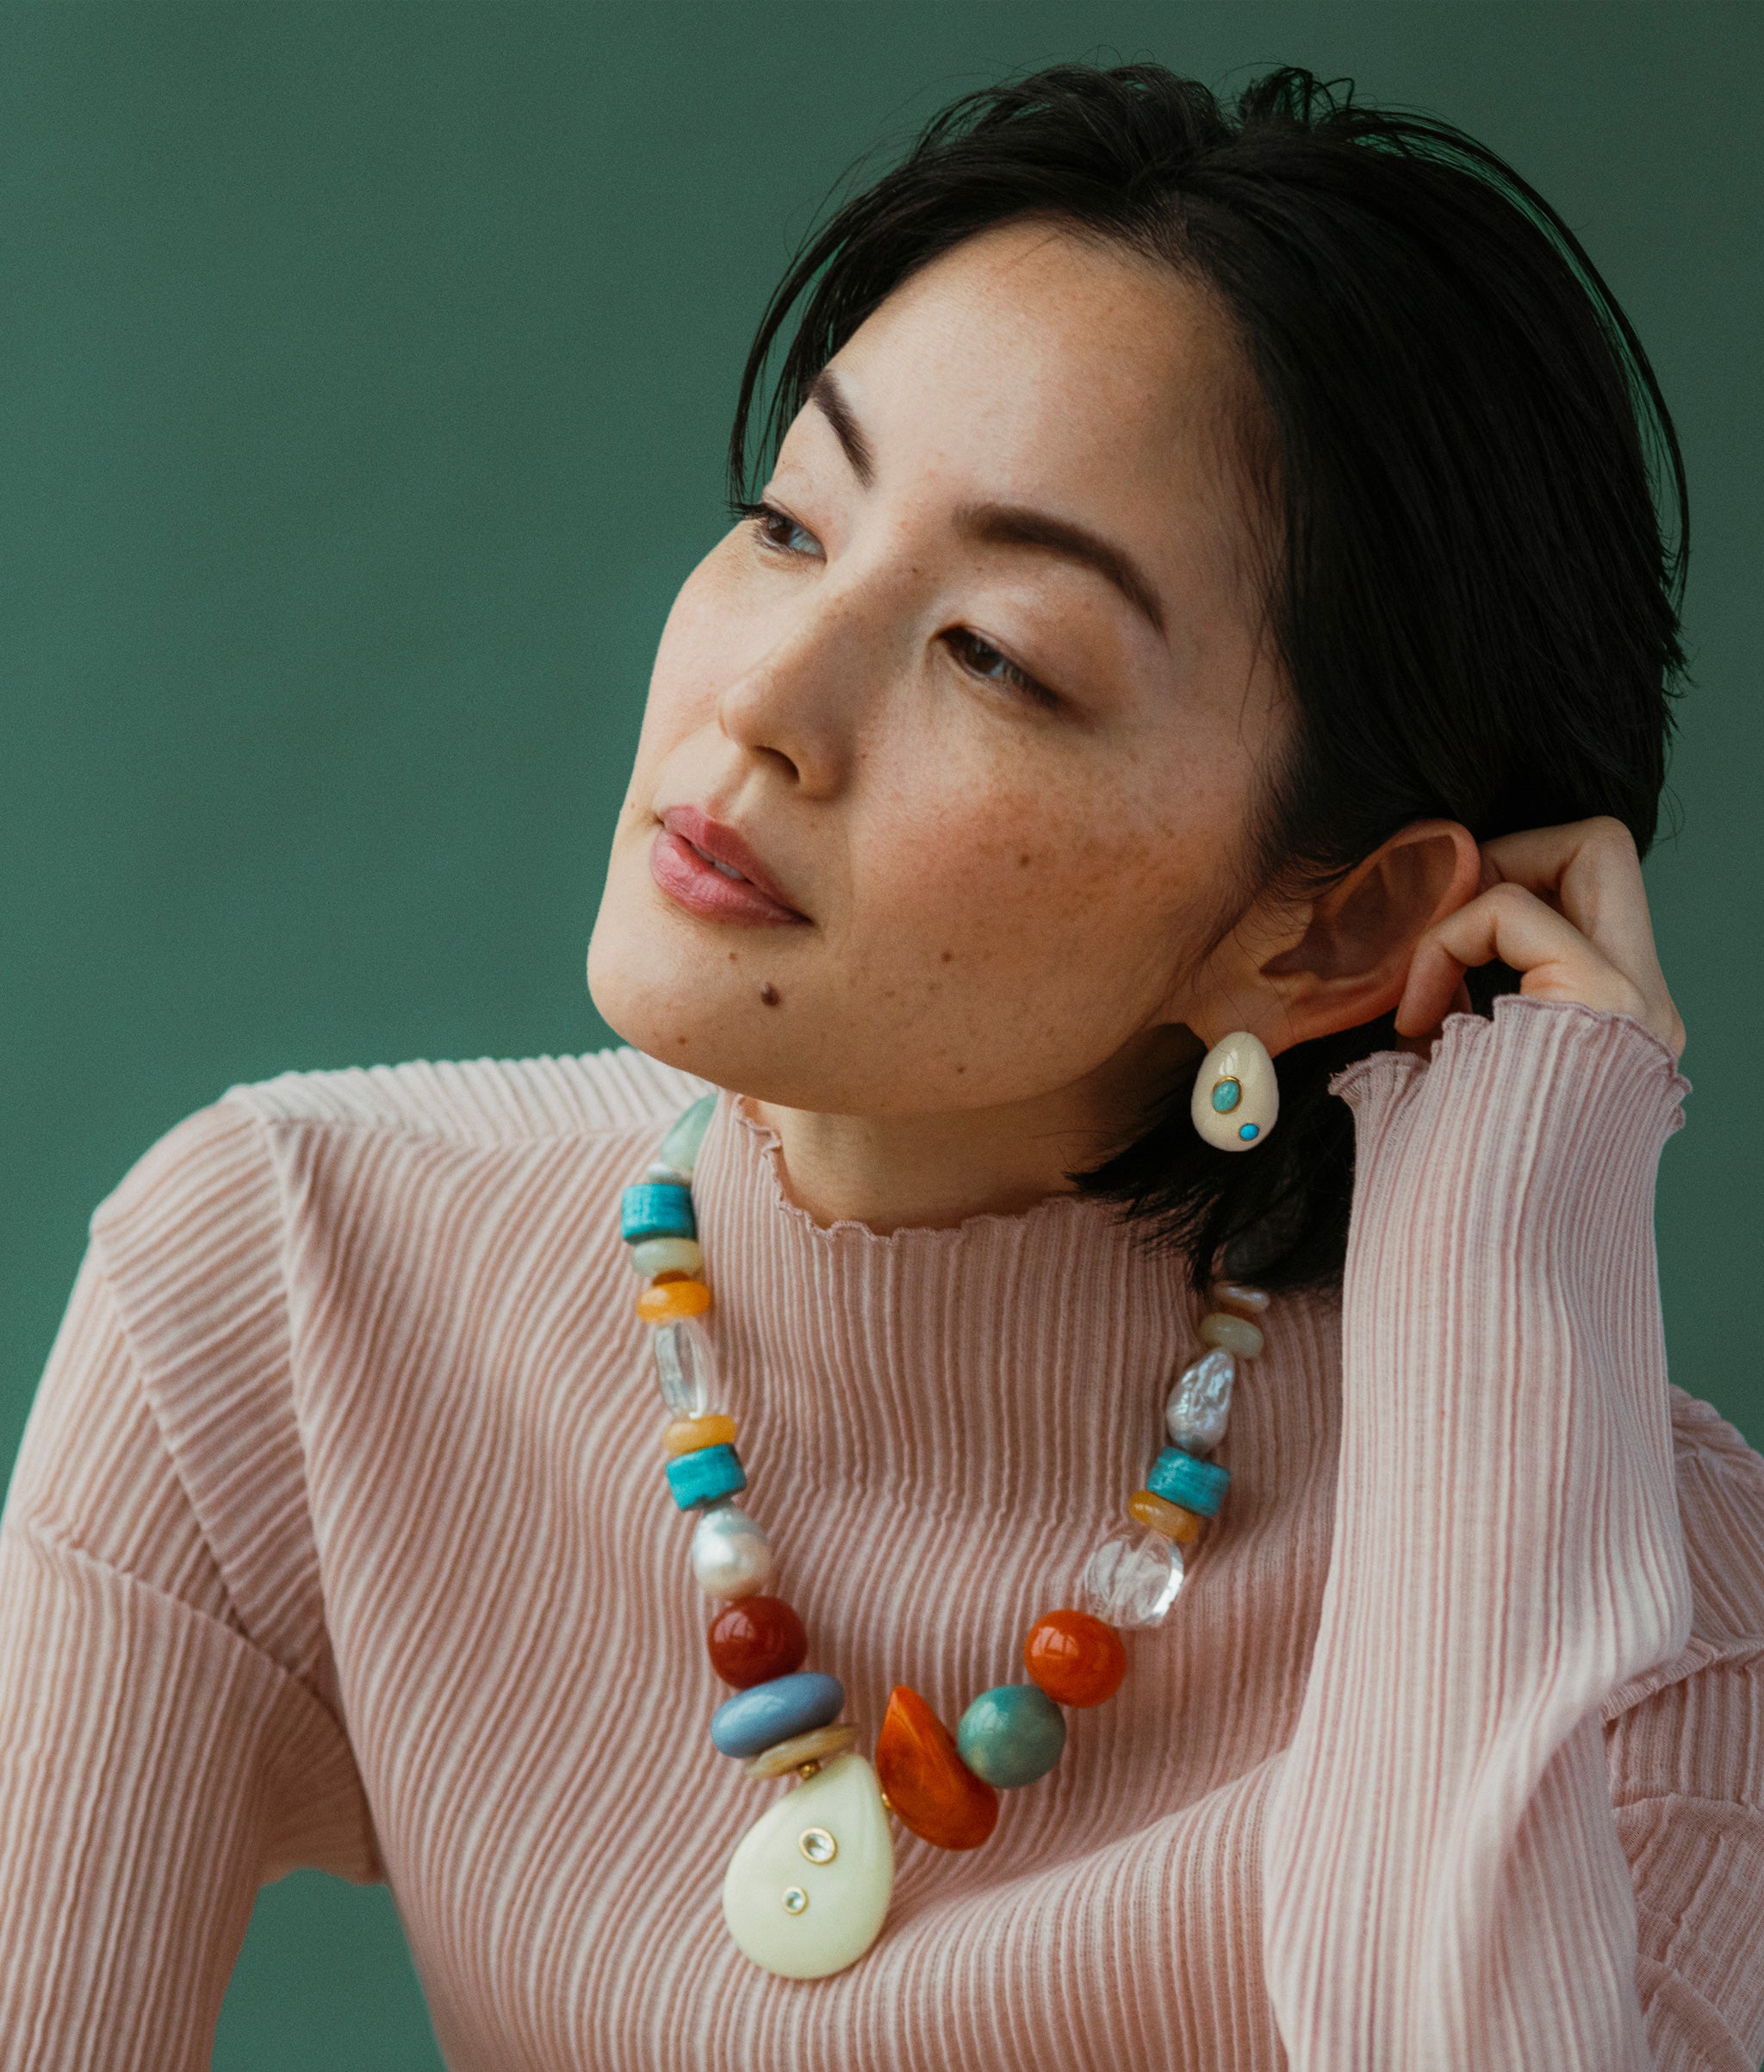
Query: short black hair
1478	516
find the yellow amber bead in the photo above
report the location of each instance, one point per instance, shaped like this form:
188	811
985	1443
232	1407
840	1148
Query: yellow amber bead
1174	1520
687	1435
666	1301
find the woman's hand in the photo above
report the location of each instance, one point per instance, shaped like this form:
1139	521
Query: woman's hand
1565	907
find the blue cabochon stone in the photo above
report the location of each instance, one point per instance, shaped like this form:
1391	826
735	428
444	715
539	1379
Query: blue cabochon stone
657	1208
1012	1735
706	1474
757	1718
1198	1486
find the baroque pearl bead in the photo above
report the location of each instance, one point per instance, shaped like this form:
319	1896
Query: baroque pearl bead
730	1556
1075	1657
1199	1409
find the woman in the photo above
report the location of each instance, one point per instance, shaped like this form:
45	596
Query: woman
1206	608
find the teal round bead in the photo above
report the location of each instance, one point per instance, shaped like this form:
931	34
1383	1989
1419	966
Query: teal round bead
1197	1485
703	1476
1012	1735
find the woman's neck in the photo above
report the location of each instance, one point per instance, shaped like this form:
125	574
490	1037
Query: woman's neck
932	1171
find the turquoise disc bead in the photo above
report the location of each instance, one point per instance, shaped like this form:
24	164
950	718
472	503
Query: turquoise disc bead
764	1714
657	1208
706	1474
1197	1485
1012	1735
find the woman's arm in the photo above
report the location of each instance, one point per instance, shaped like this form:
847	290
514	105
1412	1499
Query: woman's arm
1445	1883
157	1765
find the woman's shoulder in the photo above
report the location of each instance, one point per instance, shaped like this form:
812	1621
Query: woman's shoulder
481	1100
1720	1481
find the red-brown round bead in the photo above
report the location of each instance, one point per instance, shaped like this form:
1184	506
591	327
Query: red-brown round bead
755	1638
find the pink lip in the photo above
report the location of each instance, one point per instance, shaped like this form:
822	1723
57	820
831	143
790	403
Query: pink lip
677	863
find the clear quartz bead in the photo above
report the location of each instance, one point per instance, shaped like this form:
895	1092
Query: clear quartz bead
685	1367
1131	1579
1200	1404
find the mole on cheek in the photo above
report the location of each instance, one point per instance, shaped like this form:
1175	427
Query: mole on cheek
769	993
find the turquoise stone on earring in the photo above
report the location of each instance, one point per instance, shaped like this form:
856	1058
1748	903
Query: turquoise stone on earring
1248	1131
1012	1735
1226	1095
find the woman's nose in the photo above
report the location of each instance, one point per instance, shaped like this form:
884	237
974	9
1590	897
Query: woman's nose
803	702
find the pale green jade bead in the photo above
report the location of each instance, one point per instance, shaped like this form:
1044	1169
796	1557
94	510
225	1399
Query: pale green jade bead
679	1149
653	1255
1234	1334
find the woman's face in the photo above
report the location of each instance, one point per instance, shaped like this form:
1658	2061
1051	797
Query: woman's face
980	699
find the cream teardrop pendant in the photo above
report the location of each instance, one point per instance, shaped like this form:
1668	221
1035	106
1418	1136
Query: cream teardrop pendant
1237	1097
807	1889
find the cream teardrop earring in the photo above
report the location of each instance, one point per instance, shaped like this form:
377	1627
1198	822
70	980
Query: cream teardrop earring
1237	1097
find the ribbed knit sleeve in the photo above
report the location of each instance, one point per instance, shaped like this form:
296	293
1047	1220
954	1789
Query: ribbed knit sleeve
158	1761
1446	1887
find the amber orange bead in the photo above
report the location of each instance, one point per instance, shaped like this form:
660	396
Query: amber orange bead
930	1787
665	1301
1077	1659
687	1435
755	1638
1175	1520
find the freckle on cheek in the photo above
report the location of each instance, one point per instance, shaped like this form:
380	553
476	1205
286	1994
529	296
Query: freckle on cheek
948	957
770	994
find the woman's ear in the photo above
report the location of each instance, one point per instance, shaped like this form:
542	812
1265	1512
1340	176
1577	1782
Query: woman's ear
1344	955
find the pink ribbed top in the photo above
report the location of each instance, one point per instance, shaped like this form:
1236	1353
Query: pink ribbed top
340	1537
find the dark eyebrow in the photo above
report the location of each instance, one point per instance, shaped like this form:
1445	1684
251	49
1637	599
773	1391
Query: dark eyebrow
1011	525
829	398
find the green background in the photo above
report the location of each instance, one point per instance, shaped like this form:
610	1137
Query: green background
367	370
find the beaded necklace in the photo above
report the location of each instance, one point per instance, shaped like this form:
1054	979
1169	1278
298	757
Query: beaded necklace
808	1887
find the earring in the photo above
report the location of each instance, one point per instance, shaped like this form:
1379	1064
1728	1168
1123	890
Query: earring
1237	1097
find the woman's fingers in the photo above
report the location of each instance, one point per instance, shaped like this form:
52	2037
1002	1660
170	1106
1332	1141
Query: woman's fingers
1555	961
1588	869
1565	907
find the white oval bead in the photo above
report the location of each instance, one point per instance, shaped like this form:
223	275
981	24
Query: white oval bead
730	1556
685	1367
797	1908
1131	1579
653	1255
1234	1333
1240	1057
1199	1409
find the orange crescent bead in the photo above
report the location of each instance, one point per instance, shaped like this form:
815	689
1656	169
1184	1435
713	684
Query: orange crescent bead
1077	1659
928	1784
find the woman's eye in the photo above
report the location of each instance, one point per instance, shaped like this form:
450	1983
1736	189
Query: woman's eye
980	658
780	531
